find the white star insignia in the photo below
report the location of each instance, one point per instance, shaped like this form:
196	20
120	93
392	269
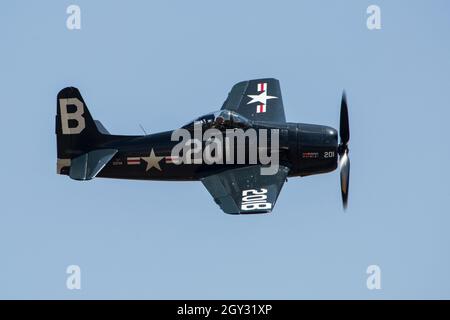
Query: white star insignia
262	97
152	161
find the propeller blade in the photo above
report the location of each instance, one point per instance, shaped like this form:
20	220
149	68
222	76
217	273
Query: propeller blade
344	128
344	164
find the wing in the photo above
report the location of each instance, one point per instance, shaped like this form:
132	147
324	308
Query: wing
258	99
245	190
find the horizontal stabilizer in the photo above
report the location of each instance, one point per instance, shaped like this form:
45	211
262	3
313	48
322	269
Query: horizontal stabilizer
88	165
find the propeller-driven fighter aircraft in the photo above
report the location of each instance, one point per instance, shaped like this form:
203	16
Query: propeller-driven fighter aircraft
242	154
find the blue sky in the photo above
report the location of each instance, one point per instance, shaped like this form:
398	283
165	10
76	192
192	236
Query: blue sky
162	63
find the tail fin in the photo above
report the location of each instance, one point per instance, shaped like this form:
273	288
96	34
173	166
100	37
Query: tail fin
76	132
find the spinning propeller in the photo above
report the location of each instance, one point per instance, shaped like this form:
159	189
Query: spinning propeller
344	160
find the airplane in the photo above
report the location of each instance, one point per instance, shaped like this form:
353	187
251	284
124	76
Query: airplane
86	150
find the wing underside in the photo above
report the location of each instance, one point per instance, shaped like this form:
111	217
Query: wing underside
245	190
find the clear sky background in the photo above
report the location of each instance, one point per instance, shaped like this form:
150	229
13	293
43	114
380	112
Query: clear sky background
163	63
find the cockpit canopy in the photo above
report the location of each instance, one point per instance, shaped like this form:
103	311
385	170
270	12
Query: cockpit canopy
222	119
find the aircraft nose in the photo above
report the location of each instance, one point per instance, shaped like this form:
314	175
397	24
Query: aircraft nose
330	136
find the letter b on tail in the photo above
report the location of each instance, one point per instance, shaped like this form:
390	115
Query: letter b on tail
69	118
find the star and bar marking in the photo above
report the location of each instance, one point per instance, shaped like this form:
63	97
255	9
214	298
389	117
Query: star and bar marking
152	161
262	97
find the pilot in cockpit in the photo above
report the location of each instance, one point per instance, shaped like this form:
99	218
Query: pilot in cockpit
222	119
